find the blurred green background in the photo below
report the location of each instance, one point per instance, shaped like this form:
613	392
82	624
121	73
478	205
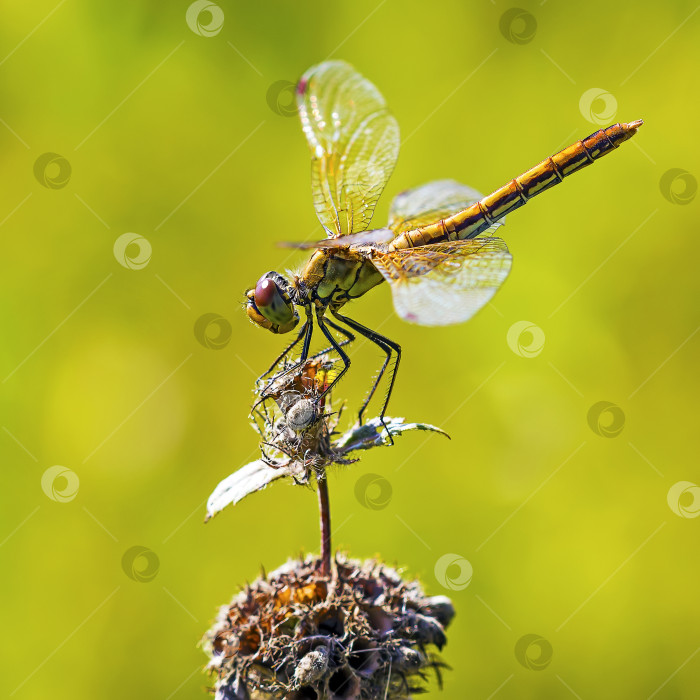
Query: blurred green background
560	505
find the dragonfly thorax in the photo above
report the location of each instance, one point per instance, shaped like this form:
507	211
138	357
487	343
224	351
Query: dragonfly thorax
270	304
334	277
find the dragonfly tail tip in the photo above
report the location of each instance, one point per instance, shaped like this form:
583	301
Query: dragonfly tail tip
635	124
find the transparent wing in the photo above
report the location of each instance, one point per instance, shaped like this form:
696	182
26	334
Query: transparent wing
354	144
431	202
444	283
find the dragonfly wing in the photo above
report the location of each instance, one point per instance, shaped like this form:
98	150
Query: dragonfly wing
444	283
354	143
431	202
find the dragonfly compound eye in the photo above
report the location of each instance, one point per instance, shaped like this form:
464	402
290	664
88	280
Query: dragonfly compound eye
269	306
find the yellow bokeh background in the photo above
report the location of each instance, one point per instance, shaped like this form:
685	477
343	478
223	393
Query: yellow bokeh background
172	136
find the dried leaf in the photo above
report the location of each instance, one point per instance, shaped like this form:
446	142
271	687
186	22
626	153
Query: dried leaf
249	479
372	433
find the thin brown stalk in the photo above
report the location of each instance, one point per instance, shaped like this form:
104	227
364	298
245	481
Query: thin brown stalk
324	510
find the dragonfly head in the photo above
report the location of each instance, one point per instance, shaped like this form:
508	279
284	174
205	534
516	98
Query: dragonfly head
269	304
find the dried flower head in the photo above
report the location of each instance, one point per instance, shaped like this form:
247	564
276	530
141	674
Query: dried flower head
363	633
298	438
294	418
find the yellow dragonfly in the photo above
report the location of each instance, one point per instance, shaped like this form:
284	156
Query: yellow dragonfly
438	251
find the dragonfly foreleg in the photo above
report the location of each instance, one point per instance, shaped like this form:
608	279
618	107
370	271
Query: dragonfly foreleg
325	351
349	337
306	332
284	352
387	346
337	347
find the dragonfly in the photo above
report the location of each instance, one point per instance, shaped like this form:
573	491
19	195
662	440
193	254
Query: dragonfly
438	252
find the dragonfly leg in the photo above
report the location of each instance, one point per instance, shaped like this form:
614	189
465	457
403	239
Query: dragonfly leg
387	345
337	347
307	330
307	339
349	338
284	352
343	331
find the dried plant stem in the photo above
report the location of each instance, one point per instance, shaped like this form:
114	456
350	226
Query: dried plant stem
324	510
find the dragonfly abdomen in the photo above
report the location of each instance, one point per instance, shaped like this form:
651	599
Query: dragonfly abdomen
475	219
546	174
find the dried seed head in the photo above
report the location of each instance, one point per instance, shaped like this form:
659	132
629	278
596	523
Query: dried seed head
295	420
366	633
